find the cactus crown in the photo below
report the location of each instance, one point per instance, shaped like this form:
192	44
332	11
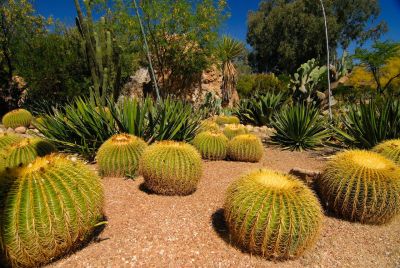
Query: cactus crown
233	130
389	149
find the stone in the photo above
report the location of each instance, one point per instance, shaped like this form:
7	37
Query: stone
10	130
20	130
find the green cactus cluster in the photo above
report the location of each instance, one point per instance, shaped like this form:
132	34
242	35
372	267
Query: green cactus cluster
211	145
49	208
209	125
7	139
120	155
17	118
226	119
361	186
389	149
272	214
233	130
245	148
171	168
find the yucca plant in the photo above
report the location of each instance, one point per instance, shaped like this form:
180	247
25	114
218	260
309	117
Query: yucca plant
258	110
299	127
367	124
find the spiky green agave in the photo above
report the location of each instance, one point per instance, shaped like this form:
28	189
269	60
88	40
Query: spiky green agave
120	155
245	148
272	214
211	145
225	119
389	149
233	130
17	118
49	208
6	139
361	186
171	168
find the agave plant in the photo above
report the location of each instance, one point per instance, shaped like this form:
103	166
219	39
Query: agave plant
299	127
367	124
258	110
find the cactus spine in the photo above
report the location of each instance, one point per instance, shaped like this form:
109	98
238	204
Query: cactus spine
171	168
17	118
245	148
48	209
361	186
7	139
211	145
208	125
119	155
272	214
389	149
234	130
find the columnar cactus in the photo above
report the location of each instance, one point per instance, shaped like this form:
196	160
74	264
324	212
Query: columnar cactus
390	149
49	208
272	214
361	186
17	118
25	151
233	130
211	145
224	119
119	155
7	139
245	148
171	168
208	125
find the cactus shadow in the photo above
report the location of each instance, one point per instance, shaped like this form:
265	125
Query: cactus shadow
143	188
219	225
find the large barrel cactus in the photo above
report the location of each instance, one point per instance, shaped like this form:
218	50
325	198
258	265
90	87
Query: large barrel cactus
225	119
245	148
272	214
361	186
6	139
171	168
120	155
25	151
390	149
208	125
17	118
234	130
211	145
48	208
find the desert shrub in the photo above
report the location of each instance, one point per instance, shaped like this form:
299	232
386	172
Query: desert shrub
367	124
245	148
57	215
17	118
272	214
251	84
171	168
389	149
259	109
299	127
211	145
233	130
361	186
120	155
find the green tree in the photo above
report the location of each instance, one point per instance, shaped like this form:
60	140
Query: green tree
286	33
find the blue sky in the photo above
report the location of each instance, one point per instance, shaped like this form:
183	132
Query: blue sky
236	26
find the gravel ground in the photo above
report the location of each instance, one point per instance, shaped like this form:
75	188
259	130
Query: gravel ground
147	230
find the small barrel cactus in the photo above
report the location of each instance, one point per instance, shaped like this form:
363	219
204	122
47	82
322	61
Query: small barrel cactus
389	149
234	130
211	145
245	148
17	118
272	214
49	208
119	155
361	186
208	125
225	119
7	139
25	151
171	168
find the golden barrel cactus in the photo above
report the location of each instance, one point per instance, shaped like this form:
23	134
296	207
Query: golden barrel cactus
171	168
208	125
361	186
245	148
17	118
389	149
211	145
234	130
226	119
272	214
6	139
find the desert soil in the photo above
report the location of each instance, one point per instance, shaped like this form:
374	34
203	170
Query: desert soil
146	230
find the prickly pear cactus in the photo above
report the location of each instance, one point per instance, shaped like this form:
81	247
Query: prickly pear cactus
49	208
225	119
234	130
7	139
245	148
120	155
17	118
272	214
389	149
171	168
361	186
211	145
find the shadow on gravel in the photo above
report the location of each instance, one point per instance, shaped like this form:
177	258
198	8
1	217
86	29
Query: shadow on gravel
143	188
219	225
